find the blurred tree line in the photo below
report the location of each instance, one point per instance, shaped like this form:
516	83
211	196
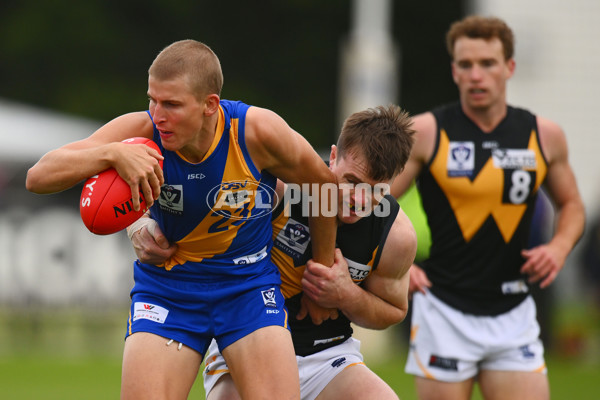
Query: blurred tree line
90	58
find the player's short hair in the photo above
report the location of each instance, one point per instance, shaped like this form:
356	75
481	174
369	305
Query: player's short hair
193	60
478	27
383	135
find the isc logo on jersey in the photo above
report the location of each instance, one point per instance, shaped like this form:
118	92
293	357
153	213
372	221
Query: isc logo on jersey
234	200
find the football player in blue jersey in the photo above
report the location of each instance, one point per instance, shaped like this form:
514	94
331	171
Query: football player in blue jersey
479	164
221	160
368	283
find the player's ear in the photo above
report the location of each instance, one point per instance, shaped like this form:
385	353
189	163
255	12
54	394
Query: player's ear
332	155
211	103
453	71
511	65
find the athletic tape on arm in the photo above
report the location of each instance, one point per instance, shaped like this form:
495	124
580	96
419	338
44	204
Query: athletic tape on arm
144	221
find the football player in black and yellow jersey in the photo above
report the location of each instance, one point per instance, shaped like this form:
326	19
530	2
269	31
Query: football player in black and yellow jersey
368	283
479	164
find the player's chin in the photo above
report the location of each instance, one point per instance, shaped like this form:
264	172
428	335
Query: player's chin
348	218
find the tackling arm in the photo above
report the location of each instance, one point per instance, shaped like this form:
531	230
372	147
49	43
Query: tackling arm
276	147
382	300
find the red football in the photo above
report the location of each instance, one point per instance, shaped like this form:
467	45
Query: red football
106	205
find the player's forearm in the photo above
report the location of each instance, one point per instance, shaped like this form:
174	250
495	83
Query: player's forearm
370	311
569	226
63	168
322	231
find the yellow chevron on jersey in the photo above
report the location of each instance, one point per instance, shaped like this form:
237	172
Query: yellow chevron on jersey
474	200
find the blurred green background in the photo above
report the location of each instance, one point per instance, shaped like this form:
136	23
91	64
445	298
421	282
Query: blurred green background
90	58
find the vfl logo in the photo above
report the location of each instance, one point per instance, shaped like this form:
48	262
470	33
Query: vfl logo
461	158
296	233
171	198
235	199
460	154
171	194
293	239
268	297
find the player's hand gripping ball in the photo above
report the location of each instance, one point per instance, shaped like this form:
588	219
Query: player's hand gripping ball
106	205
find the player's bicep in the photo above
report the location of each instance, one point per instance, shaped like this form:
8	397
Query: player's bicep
391	278
560	179
277	148
135	124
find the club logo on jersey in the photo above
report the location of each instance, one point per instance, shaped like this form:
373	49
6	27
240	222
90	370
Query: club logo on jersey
514	158
450	364
461	159
241	200
171	199
268	297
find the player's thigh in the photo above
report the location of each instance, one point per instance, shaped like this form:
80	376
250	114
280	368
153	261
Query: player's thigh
153	370
357	382
263	364
224	389
430	389
501	385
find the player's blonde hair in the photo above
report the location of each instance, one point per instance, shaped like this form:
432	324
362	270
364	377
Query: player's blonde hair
193	60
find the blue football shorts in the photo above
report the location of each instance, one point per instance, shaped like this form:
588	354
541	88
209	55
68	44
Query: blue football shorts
193	312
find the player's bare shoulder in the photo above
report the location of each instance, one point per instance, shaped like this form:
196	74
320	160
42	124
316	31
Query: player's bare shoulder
268	137
425	127
400	247
552	140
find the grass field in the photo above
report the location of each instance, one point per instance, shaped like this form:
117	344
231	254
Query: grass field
99	379
70	356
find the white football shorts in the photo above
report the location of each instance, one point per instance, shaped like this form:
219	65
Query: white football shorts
451	346
316	370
